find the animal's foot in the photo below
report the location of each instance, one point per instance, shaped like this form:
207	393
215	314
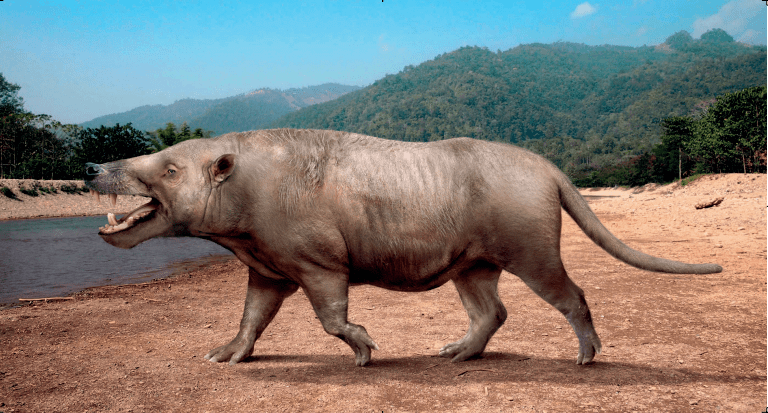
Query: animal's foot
361	344
236	351
588	347
461	350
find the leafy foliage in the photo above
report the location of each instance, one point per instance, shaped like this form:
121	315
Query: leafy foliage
584	107
31	146
171	135
250	112
38	147
8	192
606	115
732	133
108	144
10	101
729	136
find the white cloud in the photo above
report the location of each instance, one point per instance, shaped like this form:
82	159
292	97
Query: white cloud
733	17
582	10
383	46
751	37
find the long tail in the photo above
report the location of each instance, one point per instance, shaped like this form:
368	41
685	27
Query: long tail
579	210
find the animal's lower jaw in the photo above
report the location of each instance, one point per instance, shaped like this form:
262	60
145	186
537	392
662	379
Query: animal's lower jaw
130	219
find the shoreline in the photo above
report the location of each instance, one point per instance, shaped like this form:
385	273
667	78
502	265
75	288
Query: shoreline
52	201
57	199
81	204
139	347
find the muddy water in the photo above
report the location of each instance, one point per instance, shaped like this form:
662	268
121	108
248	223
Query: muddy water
58	256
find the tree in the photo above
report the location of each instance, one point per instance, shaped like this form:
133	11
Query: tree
678	130
107	144
184	134
10	102
169	136
199	134
11	107
679	40
733	130
728	136
716	36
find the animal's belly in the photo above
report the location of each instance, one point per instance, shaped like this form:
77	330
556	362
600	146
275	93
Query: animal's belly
411	271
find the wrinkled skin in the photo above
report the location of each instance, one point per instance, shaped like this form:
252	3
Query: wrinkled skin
322	210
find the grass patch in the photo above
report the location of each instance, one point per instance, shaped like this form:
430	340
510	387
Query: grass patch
73	189
690	179
69	189
7	192
29	191
48	190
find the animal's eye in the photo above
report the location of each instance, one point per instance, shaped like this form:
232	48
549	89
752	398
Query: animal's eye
171	171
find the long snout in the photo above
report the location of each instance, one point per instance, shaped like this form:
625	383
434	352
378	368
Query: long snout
108	178
93	169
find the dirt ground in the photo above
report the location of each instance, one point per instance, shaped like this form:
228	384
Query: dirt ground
670	342
59	203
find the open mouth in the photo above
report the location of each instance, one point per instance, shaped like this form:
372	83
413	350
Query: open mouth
138	215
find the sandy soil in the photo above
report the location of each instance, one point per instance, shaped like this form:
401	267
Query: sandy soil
670	342
59	203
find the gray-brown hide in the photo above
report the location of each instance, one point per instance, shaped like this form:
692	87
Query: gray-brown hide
322	210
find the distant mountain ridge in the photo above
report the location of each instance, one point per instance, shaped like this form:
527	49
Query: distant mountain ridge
247	111
574	103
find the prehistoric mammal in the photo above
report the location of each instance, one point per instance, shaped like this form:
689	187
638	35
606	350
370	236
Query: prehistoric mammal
323	210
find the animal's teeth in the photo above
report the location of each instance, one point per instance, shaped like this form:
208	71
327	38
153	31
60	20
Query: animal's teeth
113	199
111	218
121	227
95	194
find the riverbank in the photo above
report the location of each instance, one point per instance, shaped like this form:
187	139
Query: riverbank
671	342
32	198
71	198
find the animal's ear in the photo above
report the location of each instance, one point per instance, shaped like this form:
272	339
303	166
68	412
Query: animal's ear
223	167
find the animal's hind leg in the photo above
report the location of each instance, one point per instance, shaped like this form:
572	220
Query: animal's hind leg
478	290
550	281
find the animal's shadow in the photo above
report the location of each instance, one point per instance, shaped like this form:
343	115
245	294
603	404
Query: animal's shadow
491	367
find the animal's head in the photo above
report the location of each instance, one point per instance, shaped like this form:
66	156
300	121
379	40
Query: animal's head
180	181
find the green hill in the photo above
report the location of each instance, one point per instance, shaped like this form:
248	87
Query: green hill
574	103
248	111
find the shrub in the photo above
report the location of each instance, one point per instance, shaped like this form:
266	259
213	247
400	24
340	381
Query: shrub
690	179
29	191
70	189
73	189
7	192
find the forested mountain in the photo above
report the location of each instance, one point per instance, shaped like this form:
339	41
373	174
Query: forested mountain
577	104
253	110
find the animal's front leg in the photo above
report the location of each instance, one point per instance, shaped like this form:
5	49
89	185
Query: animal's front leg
328	296
263	300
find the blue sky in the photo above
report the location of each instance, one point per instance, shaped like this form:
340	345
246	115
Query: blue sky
76	60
